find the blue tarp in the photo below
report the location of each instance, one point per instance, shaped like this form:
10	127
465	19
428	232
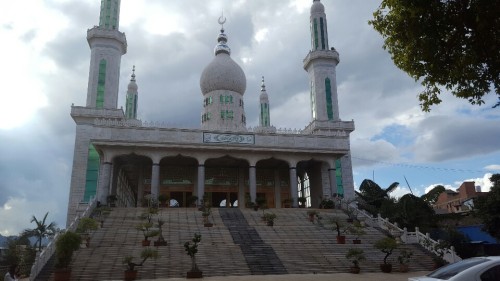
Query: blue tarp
476	235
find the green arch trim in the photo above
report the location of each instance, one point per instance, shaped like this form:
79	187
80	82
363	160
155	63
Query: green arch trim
328	93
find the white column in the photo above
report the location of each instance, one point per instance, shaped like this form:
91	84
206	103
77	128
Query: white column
293	186
201	183
104	180
252	177
277	189
333	181
140	187
155	181
241	188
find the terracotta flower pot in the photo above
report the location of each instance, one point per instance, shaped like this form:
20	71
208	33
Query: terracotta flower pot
355	269
341	239
194	274
356	241
404	268
62	275
130	275
146	243
386	267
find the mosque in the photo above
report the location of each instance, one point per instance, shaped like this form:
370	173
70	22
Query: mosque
119	157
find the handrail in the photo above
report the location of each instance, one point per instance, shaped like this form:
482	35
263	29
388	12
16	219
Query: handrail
42	259
406	237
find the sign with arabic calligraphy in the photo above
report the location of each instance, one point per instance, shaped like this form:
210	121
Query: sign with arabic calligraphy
228	138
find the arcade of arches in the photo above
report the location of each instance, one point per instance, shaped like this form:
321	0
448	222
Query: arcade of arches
224	180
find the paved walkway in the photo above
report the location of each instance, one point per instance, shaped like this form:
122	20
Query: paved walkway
396	276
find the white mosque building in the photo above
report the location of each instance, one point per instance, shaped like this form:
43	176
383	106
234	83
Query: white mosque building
117	154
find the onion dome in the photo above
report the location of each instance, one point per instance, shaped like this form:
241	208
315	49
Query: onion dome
223	73
132	86
263	94
317	7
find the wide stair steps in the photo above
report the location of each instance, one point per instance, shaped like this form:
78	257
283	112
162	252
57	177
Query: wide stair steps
293	245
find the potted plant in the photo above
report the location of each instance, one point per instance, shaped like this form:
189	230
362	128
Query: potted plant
260	203
441	248
191	201
161	240
269	217
302	200
163	198
146	232
149	214
327	204
355	255
339	226
312	214
131	273
386	245
404	260
111	199
191	247
356	229
206	211
85	226
66	244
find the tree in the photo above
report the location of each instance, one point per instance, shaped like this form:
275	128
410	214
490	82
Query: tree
412	211
445	43
432	196
42	230
372	194
488	208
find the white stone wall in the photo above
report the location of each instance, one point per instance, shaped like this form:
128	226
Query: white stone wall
214	109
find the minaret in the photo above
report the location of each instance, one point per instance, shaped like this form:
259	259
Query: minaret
107	45
132	98
223	84
264	117
321	65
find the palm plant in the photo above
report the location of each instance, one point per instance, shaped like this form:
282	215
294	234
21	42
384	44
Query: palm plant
42	230
372	194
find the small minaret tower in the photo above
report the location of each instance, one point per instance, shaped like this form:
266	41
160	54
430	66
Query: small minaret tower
264	117
132	98
107	45
321	64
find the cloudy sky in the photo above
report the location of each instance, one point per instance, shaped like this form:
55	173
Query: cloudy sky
45	61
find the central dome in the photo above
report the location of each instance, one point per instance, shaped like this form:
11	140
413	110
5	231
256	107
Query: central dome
223	74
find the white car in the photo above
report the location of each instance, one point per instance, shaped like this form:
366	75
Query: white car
473	269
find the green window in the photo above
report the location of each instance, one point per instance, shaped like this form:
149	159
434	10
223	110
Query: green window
338	173
92	174
315	25
101	84
322	29
222	114
328	92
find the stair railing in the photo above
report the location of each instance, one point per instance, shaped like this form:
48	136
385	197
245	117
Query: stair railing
402	235
44	256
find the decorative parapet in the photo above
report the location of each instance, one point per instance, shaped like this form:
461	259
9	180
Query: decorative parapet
98	32
321	54
82	111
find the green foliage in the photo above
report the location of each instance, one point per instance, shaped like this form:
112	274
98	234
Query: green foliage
146	254
66	244
450	43
405	256
356	229
146	231
373	195
386	245
85	225
18	251
191	247
355	255
269	216
42	230
411	211
487	208
432	196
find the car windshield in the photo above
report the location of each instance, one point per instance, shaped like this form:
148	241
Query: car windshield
446	272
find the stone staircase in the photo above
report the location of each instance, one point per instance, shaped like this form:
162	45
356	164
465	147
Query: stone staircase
239	243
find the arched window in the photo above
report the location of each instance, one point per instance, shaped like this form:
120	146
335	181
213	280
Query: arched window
328	92
322	29
316	43
101	81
